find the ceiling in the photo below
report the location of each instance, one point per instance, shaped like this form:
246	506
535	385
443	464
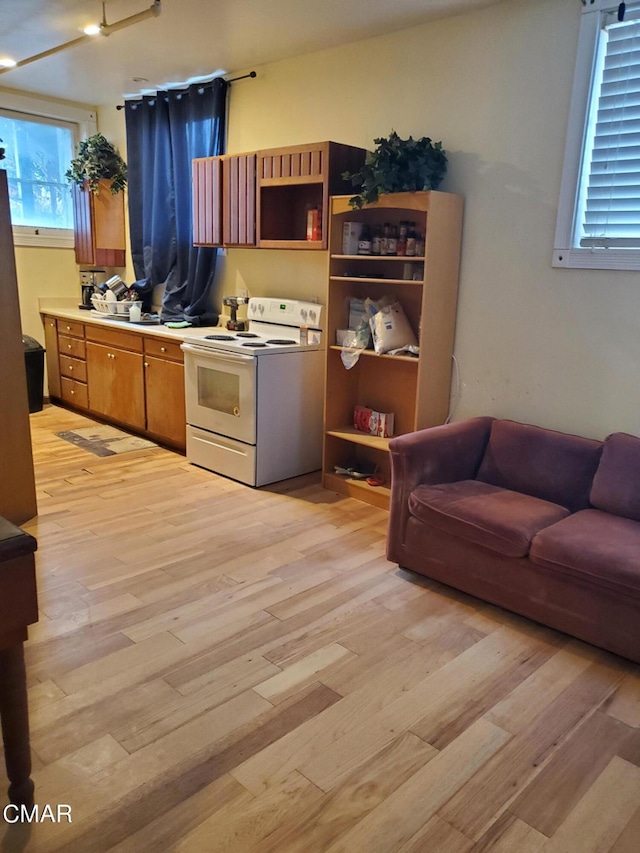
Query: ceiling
189	39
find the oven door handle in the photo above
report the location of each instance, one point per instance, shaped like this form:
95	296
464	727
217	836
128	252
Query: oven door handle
215	353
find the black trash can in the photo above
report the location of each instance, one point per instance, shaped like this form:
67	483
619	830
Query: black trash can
34	363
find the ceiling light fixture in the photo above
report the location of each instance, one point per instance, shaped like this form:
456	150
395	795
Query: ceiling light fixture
103	28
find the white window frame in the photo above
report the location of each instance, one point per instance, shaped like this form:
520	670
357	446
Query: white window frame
588	64
85	123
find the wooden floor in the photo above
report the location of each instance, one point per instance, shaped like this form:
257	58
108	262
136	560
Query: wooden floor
219	668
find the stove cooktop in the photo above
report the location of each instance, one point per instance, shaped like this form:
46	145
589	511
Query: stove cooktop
248	339
253	343
274	326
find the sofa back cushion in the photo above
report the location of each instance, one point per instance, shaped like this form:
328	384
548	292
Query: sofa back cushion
541	462
616	485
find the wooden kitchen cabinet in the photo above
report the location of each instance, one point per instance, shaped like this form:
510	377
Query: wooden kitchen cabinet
262	198
116	381
99	227
415	389
115	375
294	180
224	200
164	391
128	378
206	201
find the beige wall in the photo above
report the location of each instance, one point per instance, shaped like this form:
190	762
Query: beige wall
559	348
42	273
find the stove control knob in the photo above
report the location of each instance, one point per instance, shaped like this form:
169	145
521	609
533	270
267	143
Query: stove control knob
313	316
303	313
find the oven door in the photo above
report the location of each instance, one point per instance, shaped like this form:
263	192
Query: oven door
220	391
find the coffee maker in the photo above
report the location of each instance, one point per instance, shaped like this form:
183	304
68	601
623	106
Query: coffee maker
89	281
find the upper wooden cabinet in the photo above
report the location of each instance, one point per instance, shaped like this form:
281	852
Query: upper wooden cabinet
295	180
224	200
99	227
266	198
206	201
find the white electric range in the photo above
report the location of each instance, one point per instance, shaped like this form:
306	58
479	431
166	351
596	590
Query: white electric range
254	398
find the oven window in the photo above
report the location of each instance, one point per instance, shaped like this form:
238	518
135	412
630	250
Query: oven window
219	390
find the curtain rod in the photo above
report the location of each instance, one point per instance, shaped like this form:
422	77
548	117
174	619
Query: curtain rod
251	74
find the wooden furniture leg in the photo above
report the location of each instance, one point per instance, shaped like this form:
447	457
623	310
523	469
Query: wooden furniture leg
15	724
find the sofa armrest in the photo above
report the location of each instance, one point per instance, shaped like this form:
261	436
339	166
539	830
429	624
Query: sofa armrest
441	454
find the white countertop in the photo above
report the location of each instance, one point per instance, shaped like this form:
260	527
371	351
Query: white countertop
67	309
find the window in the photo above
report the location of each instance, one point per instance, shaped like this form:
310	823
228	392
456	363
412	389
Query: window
599	210
38	155
40	139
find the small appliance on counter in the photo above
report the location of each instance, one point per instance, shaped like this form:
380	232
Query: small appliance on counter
90	280
233	303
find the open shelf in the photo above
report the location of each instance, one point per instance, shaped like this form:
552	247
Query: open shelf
359	489
367	280
369	352
406	258
291	244
363	438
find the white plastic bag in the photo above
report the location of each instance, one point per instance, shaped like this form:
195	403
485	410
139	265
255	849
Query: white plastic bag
391	329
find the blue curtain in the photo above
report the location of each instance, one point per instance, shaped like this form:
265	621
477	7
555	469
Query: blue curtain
164	133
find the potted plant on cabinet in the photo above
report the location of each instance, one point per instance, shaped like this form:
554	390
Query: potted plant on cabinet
97	159
398	165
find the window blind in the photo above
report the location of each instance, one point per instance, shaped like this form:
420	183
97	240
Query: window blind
611	191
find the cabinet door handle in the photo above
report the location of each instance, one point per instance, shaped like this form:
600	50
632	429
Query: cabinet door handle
110	355
163	349
69	346
68	328
146	364
70	368
72	392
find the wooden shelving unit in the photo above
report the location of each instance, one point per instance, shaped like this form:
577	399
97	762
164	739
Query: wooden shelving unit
415	389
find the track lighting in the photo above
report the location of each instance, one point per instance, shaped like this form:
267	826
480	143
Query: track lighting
89	32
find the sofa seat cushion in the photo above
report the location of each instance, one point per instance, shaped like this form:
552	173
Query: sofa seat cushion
593	545
487	515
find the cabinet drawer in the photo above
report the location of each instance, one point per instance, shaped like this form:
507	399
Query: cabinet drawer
74	392
115	338
163	349
74	368
69	327
71	346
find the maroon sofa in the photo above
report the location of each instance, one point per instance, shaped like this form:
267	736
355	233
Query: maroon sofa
539	522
